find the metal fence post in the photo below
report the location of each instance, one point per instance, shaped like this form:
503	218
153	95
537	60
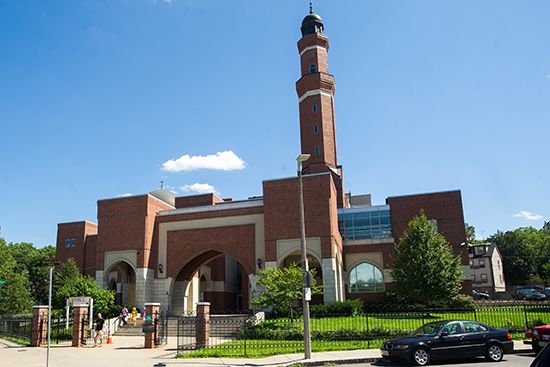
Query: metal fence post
245	331
367	333
526	319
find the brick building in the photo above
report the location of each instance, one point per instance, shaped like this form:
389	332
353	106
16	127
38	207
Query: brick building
180	250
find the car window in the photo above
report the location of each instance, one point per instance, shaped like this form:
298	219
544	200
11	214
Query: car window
453	328
473	327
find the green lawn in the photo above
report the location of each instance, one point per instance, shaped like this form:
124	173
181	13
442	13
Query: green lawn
283	336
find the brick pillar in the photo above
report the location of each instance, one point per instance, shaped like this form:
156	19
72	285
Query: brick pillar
202	324
80	328
150	325
39	332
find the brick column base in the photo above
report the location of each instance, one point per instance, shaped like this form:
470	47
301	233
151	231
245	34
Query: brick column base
80	325
151	309
39	332
202	324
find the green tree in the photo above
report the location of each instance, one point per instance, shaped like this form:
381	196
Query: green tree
470	233
30	259
70	283
14	293
426	270
282	289
525	255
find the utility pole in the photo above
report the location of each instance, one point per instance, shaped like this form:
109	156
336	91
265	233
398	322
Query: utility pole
306	277
51	263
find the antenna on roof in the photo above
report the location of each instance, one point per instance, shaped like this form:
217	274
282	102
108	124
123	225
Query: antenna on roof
161	185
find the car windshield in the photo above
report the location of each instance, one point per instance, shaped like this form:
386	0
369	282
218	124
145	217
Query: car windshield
429	329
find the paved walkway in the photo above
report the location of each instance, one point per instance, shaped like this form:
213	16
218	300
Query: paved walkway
128	351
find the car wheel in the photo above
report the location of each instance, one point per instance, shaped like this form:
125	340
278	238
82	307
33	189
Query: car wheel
536	348
494	353
421	357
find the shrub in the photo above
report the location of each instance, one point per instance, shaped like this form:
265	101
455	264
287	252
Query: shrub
352	307
461	301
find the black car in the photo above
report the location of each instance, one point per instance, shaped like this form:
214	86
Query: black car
528	294
543	358
448	340
479	295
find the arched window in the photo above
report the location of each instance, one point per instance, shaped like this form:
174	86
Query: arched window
366	278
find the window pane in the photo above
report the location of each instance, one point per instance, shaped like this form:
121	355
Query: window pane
366	278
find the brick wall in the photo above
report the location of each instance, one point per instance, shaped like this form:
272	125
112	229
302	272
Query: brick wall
197	200
82	232
187	250
127	224
282	218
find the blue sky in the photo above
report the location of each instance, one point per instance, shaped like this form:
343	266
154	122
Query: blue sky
95	96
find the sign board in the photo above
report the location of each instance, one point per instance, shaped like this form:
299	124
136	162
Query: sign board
80	301
149	318
307	294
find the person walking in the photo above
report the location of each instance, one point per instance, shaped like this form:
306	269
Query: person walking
98	334
124	316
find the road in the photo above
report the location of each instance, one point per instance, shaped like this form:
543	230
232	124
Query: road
511	360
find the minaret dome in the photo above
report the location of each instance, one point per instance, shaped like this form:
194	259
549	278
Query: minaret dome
312	23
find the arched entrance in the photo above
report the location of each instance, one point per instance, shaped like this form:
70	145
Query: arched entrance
121	278
210	277
313	264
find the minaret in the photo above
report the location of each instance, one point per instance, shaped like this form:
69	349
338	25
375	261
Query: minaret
316	97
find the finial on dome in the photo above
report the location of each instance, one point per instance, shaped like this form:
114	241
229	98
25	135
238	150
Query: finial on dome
310	7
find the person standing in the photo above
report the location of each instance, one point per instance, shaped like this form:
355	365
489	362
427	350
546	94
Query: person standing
98	334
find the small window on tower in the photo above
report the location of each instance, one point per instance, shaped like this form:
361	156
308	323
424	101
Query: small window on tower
314	108
317	151
312	69
316	129
67	243
73	242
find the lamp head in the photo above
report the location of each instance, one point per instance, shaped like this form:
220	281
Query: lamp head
303	157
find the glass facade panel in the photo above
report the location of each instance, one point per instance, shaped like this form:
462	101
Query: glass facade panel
371	222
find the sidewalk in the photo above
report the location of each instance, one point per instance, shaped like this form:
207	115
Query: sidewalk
128	351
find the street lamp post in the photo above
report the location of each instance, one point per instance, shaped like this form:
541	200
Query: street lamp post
305	269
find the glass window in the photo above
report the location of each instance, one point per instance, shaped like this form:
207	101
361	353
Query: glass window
481	263
474	327
316	129
317	151
73	242
67	242
483	277
366	278
453	328
433	223
366	224
314	108
312	69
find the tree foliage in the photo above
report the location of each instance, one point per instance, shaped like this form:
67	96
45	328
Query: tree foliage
282	289
70	283
426	271
15	296
525	255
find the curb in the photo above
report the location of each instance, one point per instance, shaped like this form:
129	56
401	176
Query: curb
340	361
370	360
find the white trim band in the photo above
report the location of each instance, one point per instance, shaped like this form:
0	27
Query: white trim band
311	48
315	92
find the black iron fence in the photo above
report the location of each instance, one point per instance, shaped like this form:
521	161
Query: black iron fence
238	334
19	328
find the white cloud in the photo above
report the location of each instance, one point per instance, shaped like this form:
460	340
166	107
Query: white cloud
221	161
528	215
125	195
200	188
